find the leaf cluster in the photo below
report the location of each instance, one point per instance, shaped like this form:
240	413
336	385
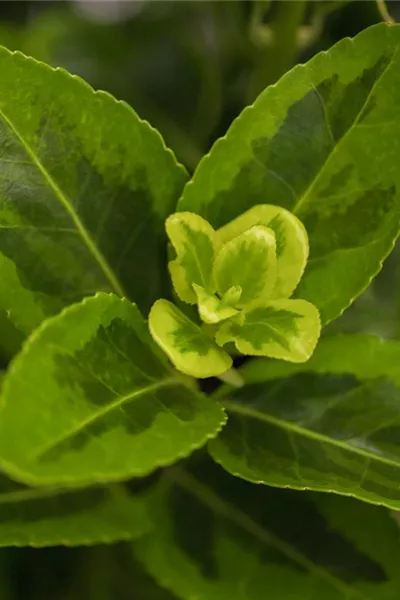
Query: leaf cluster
282	226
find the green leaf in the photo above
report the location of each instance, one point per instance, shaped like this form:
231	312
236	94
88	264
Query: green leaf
285	329
319	143
90	399
212	309
373	530
331	424
253	542
195	243
291	242
190	349
248	262
85	189
50	517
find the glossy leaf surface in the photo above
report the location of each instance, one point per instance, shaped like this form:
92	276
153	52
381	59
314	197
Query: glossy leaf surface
84	192
213	310
321	143
195	243
32	517
291	242
190	349
331	424
248	261
90	399
285	329
250	539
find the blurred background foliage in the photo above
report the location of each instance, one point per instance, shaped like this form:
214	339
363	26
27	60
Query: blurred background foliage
189	68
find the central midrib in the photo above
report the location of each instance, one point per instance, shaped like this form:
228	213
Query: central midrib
230	512
120	401
66	203
253	413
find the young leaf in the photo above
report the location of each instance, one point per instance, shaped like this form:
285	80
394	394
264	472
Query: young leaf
286	329
291	242
248	262
331	424
47	517
319	143
195	243
91	399
85	189
250	539
190	349
212	309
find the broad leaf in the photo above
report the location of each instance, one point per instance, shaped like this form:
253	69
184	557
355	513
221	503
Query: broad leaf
286	329
373	530
331	424
90	399
291	242
32	517
84	193
320	143
190	349
248	262
212	309
253	542
195	243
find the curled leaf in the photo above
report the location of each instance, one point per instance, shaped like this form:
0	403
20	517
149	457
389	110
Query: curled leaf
189	348
212	309
291	242
248	261
195	243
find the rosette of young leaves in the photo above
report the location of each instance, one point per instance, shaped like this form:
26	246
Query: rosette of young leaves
241	277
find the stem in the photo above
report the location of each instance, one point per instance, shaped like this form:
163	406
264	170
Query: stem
280	53
383	11
232	378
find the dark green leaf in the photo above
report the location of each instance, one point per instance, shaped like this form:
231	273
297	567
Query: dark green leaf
32	517
90	399
84	192
331	424
253	542
322	144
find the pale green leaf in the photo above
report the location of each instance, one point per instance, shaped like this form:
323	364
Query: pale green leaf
50	517
248	262
90	398
284	329
291	242
189	348
322	143
252	543
84	192
212	309
331	424
232	296
195	243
